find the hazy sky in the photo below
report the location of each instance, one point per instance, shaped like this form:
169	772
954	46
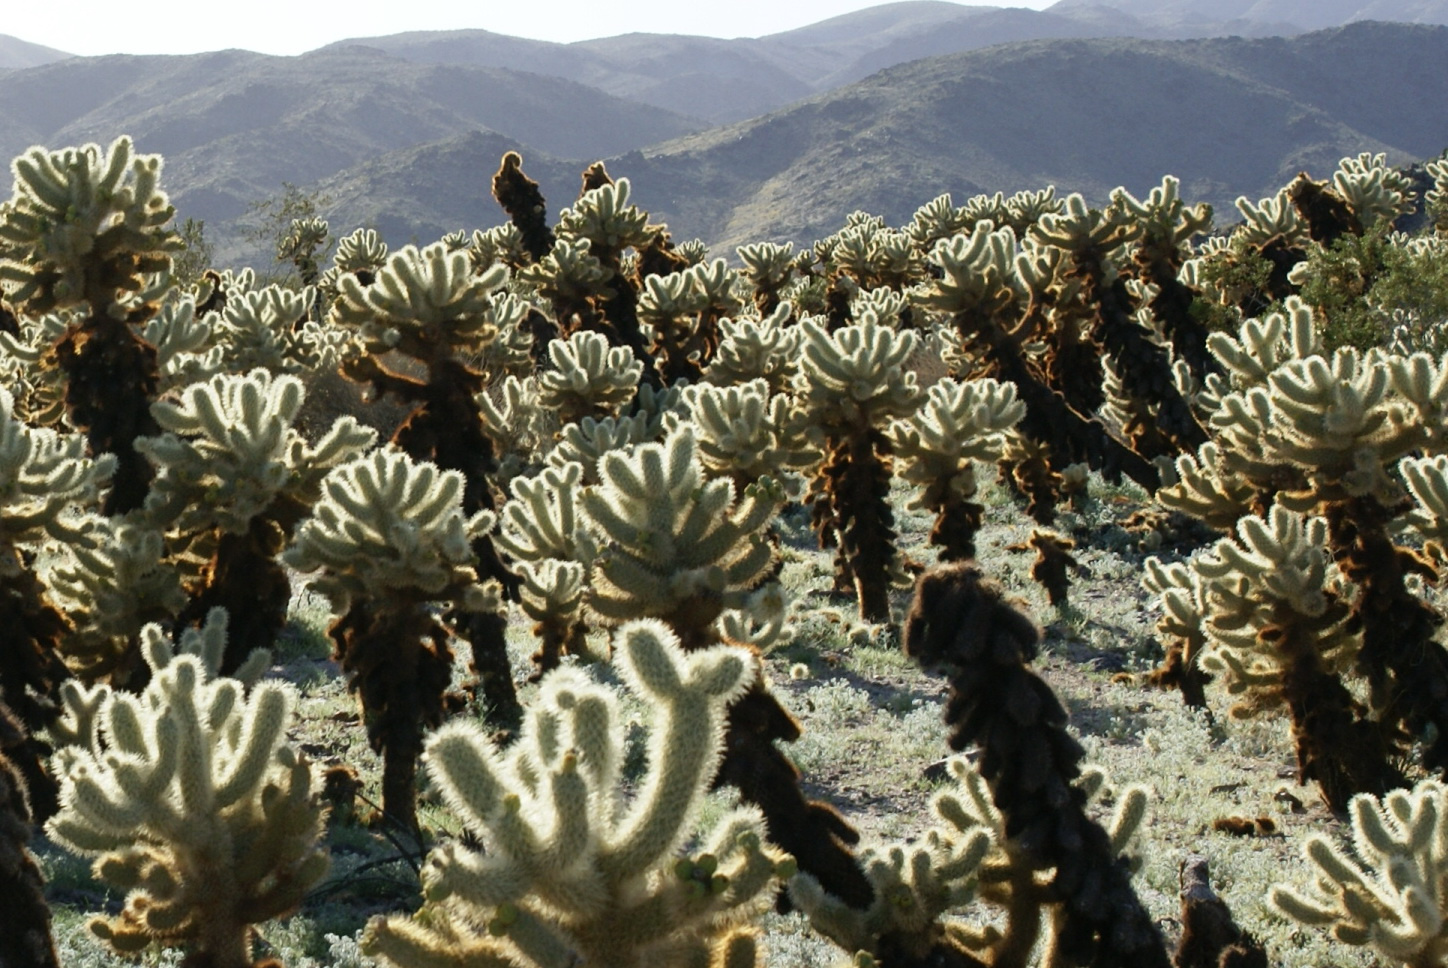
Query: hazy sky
293	26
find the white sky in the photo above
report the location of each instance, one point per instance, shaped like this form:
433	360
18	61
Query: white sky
91	27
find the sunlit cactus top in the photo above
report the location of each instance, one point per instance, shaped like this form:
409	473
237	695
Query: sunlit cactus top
605	217
230	452
426	303
388	526
856	376
41	474
83	225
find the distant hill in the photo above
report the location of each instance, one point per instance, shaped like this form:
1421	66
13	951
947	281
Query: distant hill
732	80
16	53
234	125
1229	116
1301	14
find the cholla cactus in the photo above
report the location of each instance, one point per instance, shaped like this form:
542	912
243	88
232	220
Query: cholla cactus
679	548
519	426
604	218
306	240
1166	226
234	477
1390	891
26	942
938	219
84	228
271	328
1269	218
744	432
960	423
967	855
423	303
1321	435
43	475
851	384
428	305
607	219
915	884
588	441
961	624
111	579
499	244
571	278
520	198
1184	609
683	549
1373	191
768	267
388	539
1279	633
764	349
192	803
361	252
38	388
589	378
543	527
985	278
1437	196
684	310
572	871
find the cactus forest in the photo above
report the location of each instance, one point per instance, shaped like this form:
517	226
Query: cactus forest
1037	583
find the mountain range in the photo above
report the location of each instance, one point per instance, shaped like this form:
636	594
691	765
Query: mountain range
776	137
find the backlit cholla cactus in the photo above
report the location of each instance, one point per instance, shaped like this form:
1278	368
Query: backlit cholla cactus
937	448
744	432
996	294
684	549
26	941
589	378
43	476
678	546
1372	190
939	218
684	310
85	228
271	328
112	579
1389	890
429	306
610	224
233	480
769	267
389	542
192	803
517	424
544	529
851	384
1437	196
1278	631
37	387
966	857
1165	229
307	240
570	870
1322	435
757	349
1094	241
1183	605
